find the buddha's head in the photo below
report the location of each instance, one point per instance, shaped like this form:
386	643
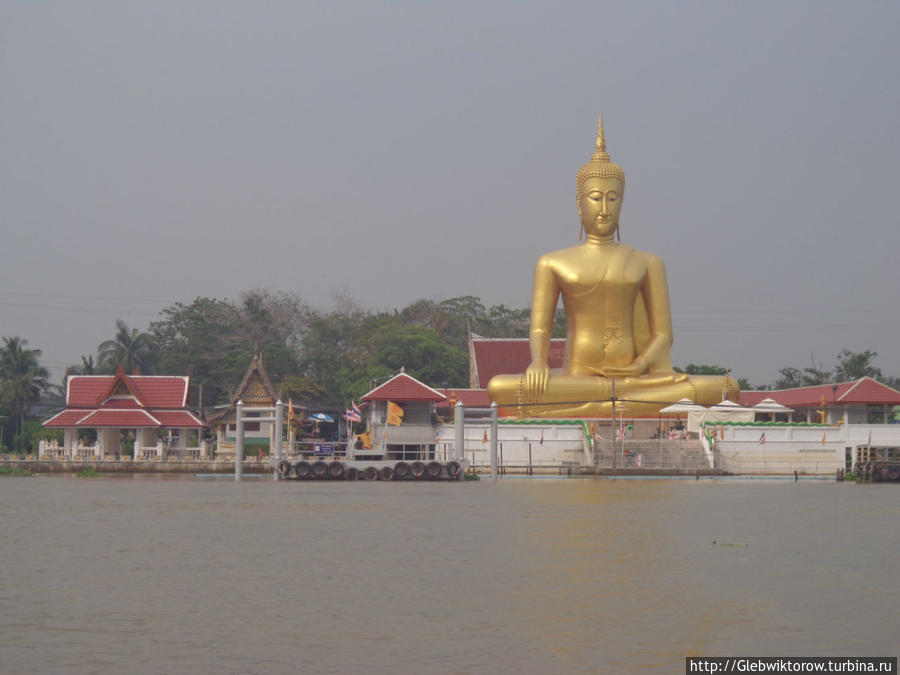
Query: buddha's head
599	208
600	169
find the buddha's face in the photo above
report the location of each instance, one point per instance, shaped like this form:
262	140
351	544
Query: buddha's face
600	206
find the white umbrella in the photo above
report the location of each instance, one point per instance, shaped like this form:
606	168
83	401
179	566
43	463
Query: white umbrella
729	406
685	405
771	405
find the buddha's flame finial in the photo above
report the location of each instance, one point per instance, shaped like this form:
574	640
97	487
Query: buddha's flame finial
601	155
601	139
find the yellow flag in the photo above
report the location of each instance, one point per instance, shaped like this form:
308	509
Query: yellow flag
366	439
394	414
823	438
485	438
290	410
722	433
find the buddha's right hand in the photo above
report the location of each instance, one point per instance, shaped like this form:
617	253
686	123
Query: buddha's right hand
536	376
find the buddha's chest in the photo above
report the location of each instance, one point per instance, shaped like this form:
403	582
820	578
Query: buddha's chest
618	275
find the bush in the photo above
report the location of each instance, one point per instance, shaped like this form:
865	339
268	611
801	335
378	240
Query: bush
32	433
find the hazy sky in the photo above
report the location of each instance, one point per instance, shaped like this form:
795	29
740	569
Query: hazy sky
153	152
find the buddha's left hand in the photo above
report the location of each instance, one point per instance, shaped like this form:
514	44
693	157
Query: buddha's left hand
634	369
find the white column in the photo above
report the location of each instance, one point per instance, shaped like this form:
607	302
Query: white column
239	440
70	440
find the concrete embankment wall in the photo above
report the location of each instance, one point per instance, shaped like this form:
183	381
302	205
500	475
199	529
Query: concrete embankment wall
127	466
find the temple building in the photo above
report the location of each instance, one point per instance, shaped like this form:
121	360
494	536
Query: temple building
254	391
153	408
505	356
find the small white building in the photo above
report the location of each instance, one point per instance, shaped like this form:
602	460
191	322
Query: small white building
415	436
152	407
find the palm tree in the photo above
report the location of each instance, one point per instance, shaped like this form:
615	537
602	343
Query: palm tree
21	377
130	349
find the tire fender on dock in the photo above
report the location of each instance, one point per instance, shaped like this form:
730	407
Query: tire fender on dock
335	470
386	473
319	469
369	473
417	469
453	469
433	470
401	471
283	468
303	469
352	473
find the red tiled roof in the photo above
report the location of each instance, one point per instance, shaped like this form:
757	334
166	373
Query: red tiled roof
402	387
177	419
471	398
118	418
498	356
158	391
117	402
126	401
862	391
66	418
154	391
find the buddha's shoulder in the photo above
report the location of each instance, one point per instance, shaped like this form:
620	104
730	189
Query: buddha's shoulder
577	252
562	255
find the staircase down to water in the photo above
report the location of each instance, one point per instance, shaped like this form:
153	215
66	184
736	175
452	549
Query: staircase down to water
681	455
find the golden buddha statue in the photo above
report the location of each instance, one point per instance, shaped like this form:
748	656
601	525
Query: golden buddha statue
618	321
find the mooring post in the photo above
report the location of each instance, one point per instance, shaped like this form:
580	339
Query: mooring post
494	415
239	440
279	422
459	421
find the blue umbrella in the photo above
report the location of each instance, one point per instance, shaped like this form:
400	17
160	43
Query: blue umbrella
321	417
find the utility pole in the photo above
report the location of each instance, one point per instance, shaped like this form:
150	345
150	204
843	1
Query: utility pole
613	436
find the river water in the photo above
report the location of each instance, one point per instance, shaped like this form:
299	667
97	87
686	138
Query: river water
182	575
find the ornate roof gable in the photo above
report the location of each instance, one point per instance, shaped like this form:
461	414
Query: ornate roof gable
120	387
256	387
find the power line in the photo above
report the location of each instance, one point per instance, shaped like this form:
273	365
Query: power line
39	294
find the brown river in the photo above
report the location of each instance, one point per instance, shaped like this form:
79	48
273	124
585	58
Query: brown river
184	575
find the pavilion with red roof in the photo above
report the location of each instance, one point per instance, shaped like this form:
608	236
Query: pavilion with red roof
415	436
109	405
857	402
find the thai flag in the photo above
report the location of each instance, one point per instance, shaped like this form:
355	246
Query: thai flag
353	413
762	439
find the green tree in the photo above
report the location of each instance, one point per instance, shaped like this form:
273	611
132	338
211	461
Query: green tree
87	367
854	365
22	378
421	352
130	349
203	339
703	369
790	377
